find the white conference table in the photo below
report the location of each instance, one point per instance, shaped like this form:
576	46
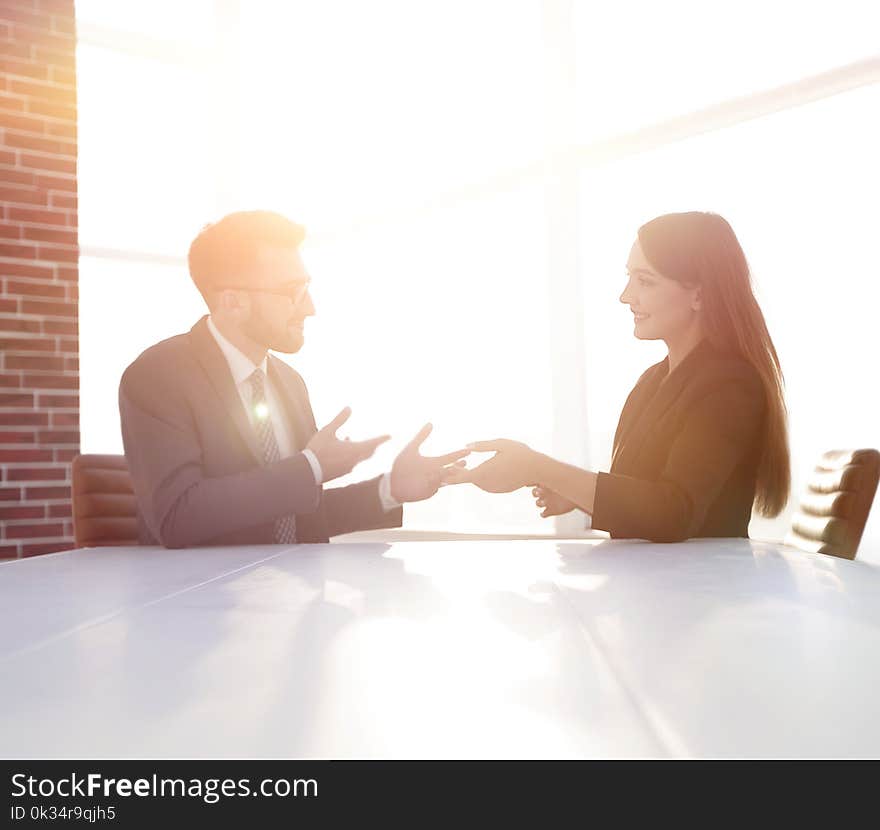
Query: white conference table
490	649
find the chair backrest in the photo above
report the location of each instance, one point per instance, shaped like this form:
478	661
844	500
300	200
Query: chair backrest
834	509
104	507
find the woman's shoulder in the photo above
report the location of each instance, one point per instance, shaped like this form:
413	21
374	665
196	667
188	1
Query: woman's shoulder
723	368
654	371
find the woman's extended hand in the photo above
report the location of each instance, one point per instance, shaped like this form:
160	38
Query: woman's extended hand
514	465
552	502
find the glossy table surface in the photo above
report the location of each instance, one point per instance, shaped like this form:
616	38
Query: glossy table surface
490	649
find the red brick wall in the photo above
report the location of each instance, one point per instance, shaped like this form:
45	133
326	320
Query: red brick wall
39	346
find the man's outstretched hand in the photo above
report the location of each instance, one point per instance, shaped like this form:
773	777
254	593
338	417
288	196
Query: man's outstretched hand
415	477
338	457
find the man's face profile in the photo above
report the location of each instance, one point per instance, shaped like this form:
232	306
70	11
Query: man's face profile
280	300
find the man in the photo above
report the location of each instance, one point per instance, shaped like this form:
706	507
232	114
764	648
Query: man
219	435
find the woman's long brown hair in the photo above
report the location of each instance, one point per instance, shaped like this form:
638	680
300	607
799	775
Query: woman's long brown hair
702	249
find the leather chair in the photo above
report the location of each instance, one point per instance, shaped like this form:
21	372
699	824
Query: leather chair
834	509
104	507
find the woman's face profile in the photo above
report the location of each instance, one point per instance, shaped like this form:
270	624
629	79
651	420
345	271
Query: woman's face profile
662	307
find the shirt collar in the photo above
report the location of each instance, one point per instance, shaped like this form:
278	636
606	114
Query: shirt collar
241	366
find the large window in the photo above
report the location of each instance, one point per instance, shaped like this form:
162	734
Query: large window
353	111
148	160
640	62
472	175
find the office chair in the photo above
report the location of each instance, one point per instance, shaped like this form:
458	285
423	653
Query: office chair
104	508
834	509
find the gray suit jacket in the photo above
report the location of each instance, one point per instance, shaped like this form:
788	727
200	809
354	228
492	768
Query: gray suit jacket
195	459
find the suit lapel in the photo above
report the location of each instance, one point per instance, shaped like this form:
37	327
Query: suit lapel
635	405
310	527
661	392
298	413
217	369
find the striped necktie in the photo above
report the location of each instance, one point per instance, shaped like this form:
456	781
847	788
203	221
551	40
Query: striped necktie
285	527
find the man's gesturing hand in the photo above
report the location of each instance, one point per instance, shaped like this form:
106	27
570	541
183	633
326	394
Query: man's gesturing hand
338	457
415	477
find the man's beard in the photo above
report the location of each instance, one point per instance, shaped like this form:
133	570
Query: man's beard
274	338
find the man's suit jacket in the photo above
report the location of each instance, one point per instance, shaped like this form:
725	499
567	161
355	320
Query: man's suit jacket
196	462
686	451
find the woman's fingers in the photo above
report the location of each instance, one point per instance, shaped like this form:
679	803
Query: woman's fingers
488	446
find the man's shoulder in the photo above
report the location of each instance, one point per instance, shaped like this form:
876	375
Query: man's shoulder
164	359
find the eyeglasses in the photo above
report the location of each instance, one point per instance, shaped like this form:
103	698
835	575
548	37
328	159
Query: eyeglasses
295	292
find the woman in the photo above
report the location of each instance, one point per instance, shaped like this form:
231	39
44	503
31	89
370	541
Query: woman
702	436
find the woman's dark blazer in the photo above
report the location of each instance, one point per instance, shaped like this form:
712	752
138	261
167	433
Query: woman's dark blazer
686	451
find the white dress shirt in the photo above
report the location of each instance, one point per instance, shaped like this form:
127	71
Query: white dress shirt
242	367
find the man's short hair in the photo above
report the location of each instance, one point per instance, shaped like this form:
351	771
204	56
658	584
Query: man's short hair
225	252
